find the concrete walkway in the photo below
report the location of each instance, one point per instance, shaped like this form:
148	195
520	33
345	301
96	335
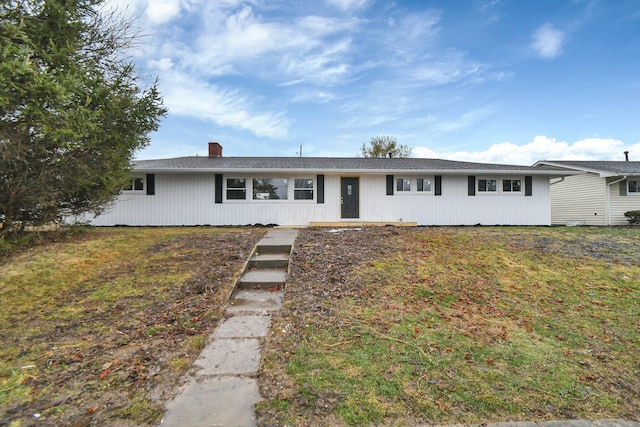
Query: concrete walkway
224	390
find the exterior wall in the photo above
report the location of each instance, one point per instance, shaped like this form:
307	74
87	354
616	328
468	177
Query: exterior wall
621	204
580	198
189	199
456	207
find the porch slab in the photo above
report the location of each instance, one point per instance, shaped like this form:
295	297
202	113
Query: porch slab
338	224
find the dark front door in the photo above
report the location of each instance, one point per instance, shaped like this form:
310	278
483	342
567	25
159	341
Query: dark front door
349	198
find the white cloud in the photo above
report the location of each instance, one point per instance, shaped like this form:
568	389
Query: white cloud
540	148
183	95
347	5
547	41
161	11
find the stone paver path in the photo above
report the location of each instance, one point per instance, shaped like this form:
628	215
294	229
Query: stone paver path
224	390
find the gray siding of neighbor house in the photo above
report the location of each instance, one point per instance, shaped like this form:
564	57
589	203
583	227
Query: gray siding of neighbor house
182	198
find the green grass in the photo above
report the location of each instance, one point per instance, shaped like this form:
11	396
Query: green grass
473	325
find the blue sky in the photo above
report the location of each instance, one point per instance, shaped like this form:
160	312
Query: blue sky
505	81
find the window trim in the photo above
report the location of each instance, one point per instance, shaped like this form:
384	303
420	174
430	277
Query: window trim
637	191
312	189
133	189
227	188
291	190
401	188
413	185
511	191
500	186
479	191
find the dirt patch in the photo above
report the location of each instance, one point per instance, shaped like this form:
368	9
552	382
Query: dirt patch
123	370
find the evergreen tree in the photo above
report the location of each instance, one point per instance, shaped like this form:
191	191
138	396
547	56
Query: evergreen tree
72	113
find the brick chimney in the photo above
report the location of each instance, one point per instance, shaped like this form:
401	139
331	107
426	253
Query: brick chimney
215	149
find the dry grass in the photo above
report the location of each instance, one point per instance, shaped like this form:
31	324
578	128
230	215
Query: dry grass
457	325
97	329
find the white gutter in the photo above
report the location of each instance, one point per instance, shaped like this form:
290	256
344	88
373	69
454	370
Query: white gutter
609	198
557	182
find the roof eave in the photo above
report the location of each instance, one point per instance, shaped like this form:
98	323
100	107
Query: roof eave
358	171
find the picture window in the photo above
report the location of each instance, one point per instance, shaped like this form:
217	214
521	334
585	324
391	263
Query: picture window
634	186
268	188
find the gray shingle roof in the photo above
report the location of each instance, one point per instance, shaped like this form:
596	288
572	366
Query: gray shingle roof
330	164
615	168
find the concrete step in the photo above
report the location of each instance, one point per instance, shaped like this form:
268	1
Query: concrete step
254	301
273	246
269	261
262	279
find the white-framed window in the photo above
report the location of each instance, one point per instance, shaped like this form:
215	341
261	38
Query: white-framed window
303	189
236	189
487	185
423	185
633	186
403	184
135	184
270	188
511	185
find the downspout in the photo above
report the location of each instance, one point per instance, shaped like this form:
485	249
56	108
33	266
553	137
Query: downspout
609	198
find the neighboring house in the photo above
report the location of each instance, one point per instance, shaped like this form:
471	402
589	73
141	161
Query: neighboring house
301	191
600	195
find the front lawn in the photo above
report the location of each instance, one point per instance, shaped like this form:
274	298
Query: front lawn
456	325
98	327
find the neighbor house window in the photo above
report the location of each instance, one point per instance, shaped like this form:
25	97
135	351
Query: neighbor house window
634	186
236	189
303	189
270	188
487	185
423	184
135	184
511	185
403	184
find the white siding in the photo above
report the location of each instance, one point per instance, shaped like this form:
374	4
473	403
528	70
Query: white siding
621	204
188	199
579	198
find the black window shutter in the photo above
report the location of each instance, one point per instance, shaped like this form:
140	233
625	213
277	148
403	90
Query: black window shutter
389	185
471	191
151	184
528	185
623	188
437	185
320	191
218	188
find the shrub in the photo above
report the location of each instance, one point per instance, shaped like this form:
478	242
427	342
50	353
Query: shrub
633	217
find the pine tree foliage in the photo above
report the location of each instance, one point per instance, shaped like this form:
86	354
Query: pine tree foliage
72	113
